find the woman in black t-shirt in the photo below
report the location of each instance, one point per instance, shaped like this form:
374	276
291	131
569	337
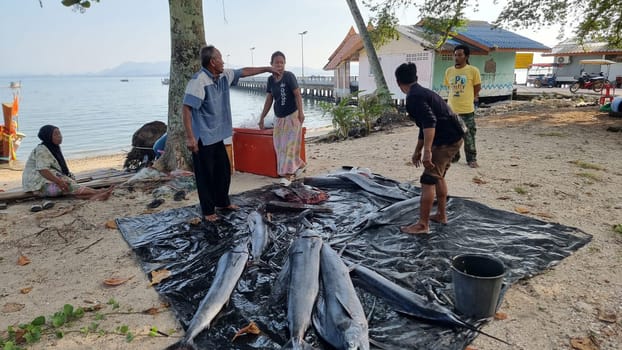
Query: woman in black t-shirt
283	92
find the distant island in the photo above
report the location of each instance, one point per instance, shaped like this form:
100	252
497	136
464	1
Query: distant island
154	69
161	69
137	69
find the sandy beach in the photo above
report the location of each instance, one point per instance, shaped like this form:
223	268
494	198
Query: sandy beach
553	162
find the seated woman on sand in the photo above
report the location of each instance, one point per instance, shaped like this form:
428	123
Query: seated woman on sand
46	173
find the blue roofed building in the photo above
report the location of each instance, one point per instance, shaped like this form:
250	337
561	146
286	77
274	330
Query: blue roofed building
493	52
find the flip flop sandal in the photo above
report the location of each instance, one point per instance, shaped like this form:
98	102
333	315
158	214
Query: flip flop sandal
155	203
35	208
48	205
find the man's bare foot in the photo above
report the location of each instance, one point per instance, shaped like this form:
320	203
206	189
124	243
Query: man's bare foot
415	229
441	219
212	218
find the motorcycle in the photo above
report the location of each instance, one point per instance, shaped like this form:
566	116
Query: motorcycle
587	81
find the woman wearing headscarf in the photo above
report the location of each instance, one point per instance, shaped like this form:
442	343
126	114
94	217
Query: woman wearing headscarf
46	173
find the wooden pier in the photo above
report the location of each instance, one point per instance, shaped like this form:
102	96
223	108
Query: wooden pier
315	87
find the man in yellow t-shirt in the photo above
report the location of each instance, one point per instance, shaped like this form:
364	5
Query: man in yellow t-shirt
464	84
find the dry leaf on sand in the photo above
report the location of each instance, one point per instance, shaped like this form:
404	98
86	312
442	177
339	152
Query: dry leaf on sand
521	210
607	316
158	276
585	343
501	316
111	224
23	260
25	290
250	329
156	309
12	307
478	180
116	281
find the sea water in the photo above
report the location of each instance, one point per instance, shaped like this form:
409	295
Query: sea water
99	115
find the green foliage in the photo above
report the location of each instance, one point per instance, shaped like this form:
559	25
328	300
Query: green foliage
79	5
372	106
114	303
350	113
585	165
383	28
589	176
441	18
123	329
29	333
590	20
617	228
153	332
9	346
439	30
344	115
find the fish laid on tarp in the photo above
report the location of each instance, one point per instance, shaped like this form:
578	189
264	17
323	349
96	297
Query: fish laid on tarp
260	235
329	182
407	302
391	214
304	271
339	317
371	186
296	207
228	271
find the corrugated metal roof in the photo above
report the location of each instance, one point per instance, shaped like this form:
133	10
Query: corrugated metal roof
484	33
480	36
347	50
570	47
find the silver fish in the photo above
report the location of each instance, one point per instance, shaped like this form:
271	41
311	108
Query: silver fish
391	214
339	317
304	270
228	271
370	186
259	234
408	302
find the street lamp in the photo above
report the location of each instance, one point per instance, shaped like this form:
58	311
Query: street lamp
302	49
228	59
252	49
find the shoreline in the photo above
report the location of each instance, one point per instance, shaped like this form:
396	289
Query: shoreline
12	176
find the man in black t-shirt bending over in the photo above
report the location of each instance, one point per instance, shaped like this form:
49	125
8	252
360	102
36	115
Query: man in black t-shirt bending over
440	138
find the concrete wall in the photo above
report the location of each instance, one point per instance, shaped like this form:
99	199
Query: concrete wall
392	55
431	68
498	81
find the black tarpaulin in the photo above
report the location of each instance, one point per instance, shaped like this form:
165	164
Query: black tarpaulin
421	263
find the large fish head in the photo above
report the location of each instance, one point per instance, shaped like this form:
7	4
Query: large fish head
355	338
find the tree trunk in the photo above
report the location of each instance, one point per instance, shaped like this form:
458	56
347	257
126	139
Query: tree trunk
187	38
374	62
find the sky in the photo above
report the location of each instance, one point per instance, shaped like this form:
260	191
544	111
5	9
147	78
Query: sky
56	40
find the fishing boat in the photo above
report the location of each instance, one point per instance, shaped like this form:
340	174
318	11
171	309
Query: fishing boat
165	81
125	80
9	134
